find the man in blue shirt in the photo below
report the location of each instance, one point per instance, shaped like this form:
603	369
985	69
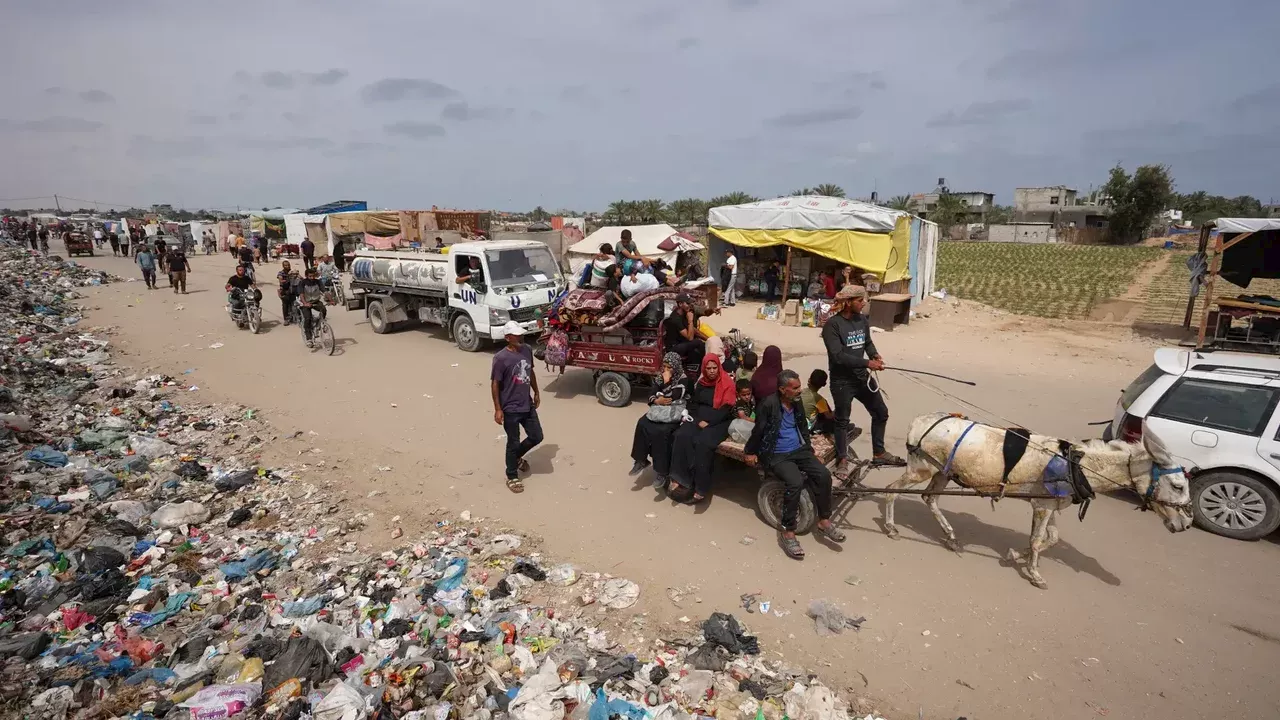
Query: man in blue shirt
147	261
781	440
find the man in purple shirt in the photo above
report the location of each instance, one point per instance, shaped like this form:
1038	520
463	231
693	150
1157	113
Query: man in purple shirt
515	401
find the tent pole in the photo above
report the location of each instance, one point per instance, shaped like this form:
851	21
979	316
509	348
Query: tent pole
1202	246
1215	266
786	285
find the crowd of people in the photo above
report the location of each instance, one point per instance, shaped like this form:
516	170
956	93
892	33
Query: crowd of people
767	409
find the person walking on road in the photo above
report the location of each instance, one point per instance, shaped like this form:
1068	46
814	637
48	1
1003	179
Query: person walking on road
515	402
780	440
178	269
730	273
851	356
308	254
147	261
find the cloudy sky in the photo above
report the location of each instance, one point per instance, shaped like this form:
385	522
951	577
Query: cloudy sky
574	103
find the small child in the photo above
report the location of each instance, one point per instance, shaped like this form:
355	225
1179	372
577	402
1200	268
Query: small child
744	413
816	408
749	361
745	408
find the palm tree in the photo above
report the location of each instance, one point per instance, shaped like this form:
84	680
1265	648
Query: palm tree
901	202
947	212
650	211
829	190
802	192
736	197
616	214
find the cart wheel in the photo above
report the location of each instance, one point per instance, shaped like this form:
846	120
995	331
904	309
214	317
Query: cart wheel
613	389
769	501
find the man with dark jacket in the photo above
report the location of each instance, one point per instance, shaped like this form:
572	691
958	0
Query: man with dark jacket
178	267
780	440
851	355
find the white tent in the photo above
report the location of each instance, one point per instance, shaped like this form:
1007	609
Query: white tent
809	212
646	237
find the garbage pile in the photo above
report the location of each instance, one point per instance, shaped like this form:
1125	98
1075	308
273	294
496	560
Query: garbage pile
150	569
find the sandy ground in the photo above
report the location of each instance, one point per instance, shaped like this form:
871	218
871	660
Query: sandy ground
1137	623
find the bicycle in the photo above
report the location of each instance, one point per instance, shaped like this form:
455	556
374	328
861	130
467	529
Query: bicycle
321	331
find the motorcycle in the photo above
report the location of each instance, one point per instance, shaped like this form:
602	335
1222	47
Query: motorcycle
249	314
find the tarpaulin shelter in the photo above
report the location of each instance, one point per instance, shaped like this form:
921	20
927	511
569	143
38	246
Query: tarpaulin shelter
875	239
1238	250
648	239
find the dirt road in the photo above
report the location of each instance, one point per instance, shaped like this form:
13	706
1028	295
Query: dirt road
1136	623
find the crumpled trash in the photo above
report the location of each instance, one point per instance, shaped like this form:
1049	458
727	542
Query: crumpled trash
53	704
454	573
342	703
724	630
504	544
302	658
176	515
192	470
98	559
24	645
828	619
149	447
222	701
563	575
603	708
47	456
619	593
260	560
235	481
303	608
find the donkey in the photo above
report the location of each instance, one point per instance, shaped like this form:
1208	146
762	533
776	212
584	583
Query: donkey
973	457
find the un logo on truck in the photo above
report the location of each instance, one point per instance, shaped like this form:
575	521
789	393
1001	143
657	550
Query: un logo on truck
515	301
469	296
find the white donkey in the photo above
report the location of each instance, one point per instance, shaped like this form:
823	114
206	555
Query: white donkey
972	454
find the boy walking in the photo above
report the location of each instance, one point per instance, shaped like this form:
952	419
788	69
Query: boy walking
515	402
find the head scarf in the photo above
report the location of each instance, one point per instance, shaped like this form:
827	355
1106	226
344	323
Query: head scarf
675	362
725	394
764	381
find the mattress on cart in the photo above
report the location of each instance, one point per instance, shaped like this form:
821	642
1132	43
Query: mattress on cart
823	447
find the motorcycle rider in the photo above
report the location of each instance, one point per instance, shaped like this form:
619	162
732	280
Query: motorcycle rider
310	299
237	285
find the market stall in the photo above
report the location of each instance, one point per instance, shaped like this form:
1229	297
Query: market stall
810	236
1238	251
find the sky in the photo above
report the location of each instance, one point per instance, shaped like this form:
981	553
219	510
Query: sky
577	103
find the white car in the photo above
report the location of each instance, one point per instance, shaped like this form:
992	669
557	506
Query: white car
1216	413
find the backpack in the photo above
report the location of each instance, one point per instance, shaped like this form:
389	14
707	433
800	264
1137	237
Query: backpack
557	349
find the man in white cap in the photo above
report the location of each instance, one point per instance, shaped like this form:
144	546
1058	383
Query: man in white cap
515	402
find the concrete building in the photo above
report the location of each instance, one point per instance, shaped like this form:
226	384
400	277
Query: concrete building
1043	199
1022	233
1057	205
977	204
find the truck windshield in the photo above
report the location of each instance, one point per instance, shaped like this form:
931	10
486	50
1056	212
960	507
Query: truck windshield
521	266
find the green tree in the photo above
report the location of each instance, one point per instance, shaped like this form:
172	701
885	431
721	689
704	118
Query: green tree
539	214
734	198
999	214
829	190
650	211
902	202
803	191
616	214
1136	200
947	212
687	211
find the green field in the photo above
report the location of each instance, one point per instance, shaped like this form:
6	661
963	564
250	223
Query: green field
1056	281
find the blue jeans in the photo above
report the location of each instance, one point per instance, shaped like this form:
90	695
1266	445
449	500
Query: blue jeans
516	448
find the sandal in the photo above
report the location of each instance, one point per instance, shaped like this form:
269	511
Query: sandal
693	499
888	459
515	485
522	466
791	546
830	532
680	493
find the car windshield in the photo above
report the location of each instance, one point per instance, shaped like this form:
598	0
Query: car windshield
1139	386
521	266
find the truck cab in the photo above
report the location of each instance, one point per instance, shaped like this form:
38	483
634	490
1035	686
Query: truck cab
473	290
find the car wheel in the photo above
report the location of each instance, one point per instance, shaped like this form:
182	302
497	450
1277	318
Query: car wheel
464	333
378	318
1235	505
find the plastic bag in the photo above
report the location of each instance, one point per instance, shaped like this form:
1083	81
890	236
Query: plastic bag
619	594
342	703
149	447
98	559
235	481
830	620
303	608
564	575
454	573
46	456
303	658
740	430
178	514
192	470
222	701
604	708
250	565
504	544
724	630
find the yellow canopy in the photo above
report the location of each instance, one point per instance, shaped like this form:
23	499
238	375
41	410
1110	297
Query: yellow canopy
885	254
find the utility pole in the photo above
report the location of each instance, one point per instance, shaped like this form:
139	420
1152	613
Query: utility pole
58	204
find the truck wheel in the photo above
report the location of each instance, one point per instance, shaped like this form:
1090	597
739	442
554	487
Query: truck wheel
464	333
378	318
613	389
769	502
1235	505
